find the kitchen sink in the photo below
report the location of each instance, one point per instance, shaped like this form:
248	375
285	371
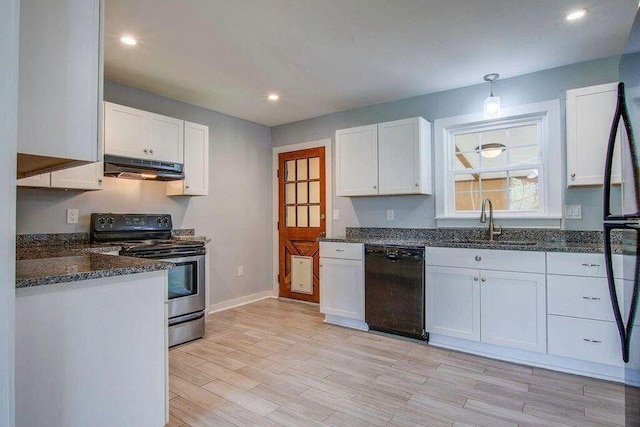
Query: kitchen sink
498	242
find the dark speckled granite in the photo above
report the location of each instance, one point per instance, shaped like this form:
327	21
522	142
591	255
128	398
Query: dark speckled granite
46	271
544	240
53	239
183	232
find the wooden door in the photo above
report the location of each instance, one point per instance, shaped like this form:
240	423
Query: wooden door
301	220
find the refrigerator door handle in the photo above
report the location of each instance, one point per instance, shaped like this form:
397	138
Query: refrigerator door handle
608	262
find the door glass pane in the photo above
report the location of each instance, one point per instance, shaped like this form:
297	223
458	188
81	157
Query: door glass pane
314	168
182	281
290	170
290	194
314	216
303	216
290	216
302	169
302	193
314	192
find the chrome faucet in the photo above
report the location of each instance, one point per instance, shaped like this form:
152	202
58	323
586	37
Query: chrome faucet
483	218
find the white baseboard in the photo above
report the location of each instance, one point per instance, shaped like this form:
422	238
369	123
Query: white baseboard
346	322
237	302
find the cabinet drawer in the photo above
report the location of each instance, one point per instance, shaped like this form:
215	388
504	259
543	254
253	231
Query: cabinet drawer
487	259
341	250
591	340
585	297
578	264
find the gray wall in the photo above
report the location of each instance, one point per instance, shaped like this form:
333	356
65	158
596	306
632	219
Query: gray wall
8	129
236	214
419	211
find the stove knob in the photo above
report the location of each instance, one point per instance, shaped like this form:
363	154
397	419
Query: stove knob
159	220
165	220
110	220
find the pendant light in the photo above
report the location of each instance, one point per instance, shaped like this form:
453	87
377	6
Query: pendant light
492	103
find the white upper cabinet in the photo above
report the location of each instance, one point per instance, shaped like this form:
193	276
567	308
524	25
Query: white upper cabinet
85	177
165	138
125	131
196	163
357	161
130	132
590	113
389	158
60	87
404	156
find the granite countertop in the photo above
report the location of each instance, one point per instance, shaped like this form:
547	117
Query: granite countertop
539	246
40	265
539	240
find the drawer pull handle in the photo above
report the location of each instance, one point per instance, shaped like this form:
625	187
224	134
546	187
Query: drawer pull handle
591	341
590	265
592	298
339	250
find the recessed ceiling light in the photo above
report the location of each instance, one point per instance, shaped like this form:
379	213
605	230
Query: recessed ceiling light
129	40
273	97
576	14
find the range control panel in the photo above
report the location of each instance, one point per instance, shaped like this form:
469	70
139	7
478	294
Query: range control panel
130	222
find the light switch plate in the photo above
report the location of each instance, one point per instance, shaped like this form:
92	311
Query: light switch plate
390	215
573	211
240	271
72	216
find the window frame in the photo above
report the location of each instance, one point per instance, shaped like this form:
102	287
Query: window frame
546	116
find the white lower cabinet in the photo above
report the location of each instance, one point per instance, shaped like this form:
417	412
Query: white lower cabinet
342	283
453	302
504	308
584	339
513	310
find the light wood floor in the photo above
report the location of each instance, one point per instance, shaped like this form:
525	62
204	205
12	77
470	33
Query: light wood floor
276	363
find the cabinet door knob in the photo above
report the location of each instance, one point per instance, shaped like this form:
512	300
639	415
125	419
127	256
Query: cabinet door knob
186	186
475	279
417	185
375	186
145	150
151	151
478	258
573	175
99	182
484	279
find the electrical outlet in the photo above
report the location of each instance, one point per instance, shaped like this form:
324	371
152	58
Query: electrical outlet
573	211
336	214
240	271
72	216
390	214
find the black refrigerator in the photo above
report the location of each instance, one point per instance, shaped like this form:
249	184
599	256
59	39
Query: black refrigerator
621	209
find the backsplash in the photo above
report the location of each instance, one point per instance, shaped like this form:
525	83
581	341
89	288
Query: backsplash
67	239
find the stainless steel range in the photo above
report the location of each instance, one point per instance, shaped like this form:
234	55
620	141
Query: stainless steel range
149	236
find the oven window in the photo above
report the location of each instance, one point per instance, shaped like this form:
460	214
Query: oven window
183	280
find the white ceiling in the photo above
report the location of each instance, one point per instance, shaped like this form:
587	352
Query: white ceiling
325	56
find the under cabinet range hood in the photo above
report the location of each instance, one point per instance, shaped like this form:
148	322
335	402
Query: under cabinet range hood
150	170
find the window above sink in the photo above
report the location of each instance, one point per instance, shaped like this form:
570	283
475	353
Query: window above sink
514	159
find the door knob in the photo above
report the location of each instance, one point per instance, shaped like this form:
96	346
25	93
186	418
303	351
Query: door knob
322	216
323	234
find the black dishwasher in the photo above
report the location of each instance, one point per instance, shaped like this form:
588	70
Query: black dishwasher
394	290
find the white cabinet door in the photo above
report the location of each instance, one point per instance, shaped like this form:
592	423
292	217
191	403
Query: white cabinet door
453	302
590	113
125	131
42	180
60	85
342	288
166	138
196	163
513	307
85	177
357	161
404	153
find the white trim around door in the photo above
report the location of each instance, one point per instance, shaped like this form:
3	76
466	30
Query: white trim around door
328	162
